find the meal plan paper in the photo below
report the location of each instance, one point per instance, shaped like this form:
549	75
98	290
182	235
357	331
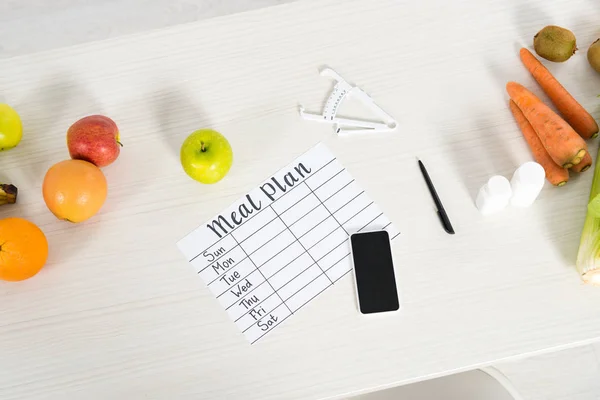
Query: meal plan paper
285	242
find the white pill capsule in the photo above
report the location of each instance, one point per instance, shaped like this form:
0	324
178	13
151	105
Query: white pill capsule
527	183
494	195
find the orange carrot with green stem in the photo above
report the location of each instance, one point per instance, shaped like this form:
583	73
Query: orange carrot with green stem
561	142
581	121
555	174
584	165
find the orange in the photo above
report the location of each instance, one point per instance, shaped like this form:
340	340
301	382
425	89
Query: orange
74	190
23	249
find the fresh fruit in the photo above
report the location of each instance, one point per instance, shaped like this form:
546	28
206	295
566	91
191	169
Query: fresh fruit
23	249
593	55
74	190
11	130
555	43
8	194
95	139
206	156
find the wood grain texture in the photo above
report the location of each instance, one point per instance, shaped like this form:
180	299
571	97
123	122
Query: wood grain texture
117	313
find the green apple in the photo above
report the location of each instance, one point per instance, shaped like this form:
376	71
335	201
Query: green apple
206	156
11	130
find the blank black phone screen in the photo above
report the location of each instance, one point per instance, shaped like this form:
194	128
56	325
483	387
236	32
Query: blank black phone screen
374	271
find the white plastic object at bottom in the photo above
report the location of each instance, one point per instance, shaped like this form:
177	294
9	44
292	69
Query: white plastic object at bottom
527	183
494	195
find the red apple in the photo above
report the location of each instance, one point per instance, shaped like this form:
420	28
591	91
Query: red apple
95	139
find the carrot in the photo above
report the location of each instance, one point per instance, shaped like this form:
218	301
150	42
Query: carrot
584	165
563	144
555	174
581	120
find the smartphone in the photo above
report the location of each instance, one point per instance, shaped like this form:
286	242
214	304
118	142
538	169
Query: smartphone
374	272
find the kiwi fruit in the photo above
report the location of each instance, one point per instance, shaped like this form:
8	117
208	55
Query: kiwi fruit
593	55
555	43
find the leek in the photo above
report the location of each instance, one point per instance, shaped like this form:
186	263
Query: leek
588	257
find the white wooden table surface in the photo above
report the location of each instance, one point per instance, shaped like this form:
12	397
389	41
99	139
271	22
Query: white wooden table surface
117	312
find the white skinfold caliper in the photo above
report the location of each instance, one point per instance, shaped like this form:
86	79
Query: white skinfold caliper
337	96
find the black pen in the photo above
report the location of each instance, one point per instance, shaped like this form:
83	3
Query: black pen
440	207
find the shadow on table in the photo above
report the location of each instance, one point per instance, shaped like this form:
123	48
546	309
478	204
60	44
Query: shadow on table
178	114
481	156
68	241
50	108
530	19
